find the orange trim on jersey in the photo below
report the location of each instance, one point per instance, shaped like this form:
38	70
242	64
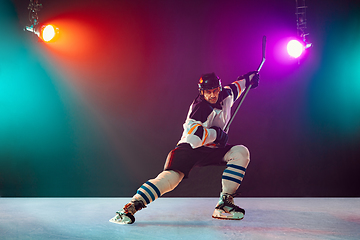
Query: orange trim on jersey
238	85
211	144
193	128
206	135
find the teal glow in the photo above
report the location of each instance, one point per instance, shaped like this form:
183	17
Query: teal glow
48	142
335	90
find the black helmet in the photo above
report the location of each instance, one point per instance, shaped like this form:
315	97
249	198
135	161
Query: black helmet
209	81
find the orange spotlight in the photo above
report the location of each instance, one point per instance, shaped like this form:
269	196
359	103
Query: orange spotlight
49	33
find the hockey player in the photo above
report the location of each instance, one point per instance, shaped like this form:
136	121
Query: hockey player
203	143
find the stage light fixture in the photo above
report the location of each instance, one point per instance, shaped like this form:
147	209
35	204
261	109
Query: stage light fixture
296	48
49	32
46	32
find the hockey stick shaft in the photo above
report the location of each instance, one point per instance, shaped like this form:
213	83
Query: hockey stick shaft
237	109
247	90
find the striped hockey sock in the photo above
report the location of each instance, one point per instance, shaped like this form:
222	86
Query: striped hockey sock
147	193
232	177
165	182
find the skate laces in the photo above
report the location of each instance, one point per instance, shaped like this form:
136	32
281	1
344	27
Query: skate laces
228	201
129	208
133	206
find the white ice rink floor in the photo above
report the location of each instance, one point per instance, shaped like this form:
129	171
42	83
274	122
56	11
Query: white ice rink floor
180	218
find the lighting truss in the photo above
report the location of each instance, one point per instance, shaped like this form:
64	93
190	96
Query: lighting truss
301	21
34	7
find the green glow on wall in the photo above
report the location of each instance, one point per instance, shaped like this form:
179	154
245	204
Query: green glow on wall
335	90
49	143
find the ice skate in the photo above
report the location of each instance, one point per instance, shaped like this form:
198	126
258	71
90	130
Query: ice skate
126	215
226	209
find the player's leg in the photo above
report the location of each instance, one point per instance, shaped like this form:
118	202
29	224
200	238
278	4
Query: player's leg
237	158
165	182
178	164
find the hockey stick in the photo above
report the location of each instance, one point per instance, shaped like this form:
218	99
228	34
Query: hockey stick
247	90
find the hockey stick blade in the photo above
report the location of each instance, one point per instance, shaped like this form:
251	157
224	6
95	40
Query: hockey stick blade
263	53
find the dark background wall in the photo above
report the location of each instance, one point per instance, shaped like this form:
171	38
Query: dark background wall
96	113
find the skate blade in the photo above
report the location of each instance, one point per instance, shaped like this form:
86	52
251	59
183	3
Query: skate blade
219	214
121	220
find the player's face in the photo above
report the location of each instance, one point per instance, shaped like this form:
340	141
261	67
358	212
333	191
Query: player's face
212	95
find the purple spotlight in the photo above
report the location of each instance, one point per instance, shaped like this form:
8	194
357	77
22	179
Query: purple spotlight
295	48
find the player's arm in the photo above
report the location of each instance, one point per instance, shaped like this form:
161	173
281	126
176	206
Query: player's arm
244	81
197	134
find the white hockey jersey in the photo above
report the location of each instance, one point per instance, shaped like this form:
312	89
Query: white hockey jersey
202	115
